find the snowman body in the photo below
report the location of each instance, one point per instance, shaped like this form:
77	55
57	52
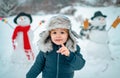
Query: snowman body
19	54
97	50
99	36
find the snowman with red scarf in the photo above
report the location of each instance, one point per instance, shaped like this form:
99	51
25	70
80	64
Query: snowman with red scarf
22	38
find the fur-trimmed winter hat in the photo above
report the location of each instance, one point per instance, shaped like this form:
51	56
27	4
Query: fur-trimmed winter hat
59	21
98	13
23	14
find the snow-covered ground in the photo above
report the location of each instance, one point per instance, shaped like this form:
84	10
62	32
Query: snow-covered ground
91	70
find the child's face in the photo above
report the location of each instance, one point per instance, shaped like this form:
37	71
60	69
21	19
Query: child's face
59	36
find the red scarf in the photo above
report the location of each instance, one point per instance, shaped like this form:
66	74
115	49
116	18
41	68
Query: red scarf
26	42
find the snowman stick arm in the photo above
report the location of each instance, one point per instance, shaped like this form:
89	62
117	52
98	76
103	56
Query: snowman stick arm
10	25
36	28
109	28
39	25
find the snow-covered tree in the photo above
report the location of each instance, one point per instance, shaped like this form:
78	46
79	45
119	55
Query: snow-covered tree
98	2
7	7
118	2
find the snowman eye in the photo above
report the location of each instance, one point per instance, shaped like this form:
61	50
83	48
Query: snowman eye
24	18
99	18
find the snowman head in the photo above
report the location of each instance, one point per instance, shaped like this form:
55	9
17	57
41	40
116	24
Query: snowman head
98	19
23	19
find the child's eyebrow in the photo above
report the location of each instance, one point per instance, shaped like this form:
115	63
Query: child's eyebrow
52	30
61	30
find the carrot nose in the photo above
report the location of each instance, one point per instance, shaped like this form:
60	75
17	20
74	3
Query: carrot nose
102	19
21	18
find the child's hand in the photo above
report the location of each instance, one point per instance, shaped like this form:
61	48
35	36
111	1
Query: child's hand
63	50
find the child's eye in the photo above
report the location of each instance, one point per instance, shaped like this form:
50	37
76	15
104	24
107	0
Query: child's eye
62	32
54	32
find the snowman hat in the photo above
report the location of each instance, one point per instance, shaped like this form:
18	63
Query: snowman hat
98	13
23	14
59	21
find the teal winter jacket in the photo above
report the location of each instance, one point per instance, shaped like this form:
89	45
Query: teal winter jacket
55	65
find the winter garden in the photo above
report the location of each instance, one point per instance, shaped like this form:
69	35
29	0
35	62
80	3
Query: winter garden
98	27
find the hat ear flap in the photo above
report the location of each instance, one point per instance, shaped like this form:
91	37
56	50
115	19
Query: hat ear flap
44	36
71	43
44	43
75	34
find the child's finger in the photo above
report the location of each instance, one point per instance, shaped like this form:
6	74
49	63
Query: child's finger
62	45
61	50
63	53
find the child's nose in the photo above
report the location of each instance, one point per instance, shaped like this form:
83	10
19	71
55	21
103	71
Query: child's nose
58	35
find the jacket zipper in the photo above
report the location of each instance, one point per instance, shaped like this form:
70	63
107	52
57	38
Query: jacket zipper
58	55
57	66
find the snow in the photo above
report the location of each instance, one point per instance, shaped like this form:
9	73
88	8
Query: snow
92	68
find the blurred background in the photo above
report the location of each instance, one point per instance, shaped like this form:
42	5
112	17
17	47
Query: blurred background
12	7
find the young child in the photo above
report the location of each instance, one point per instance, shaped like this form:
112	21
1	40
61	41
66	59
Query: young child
59	54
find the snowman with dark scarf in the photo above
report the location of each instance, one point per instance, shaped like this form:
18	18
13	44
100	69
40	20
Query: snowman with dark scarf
97	49
22	39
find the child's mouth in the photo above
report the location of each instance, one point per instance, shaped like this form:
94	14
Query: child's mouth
58	40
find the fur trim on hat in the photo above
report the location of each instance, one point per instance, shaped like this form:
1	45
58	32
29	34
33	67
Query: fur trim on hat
45	44
59	21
